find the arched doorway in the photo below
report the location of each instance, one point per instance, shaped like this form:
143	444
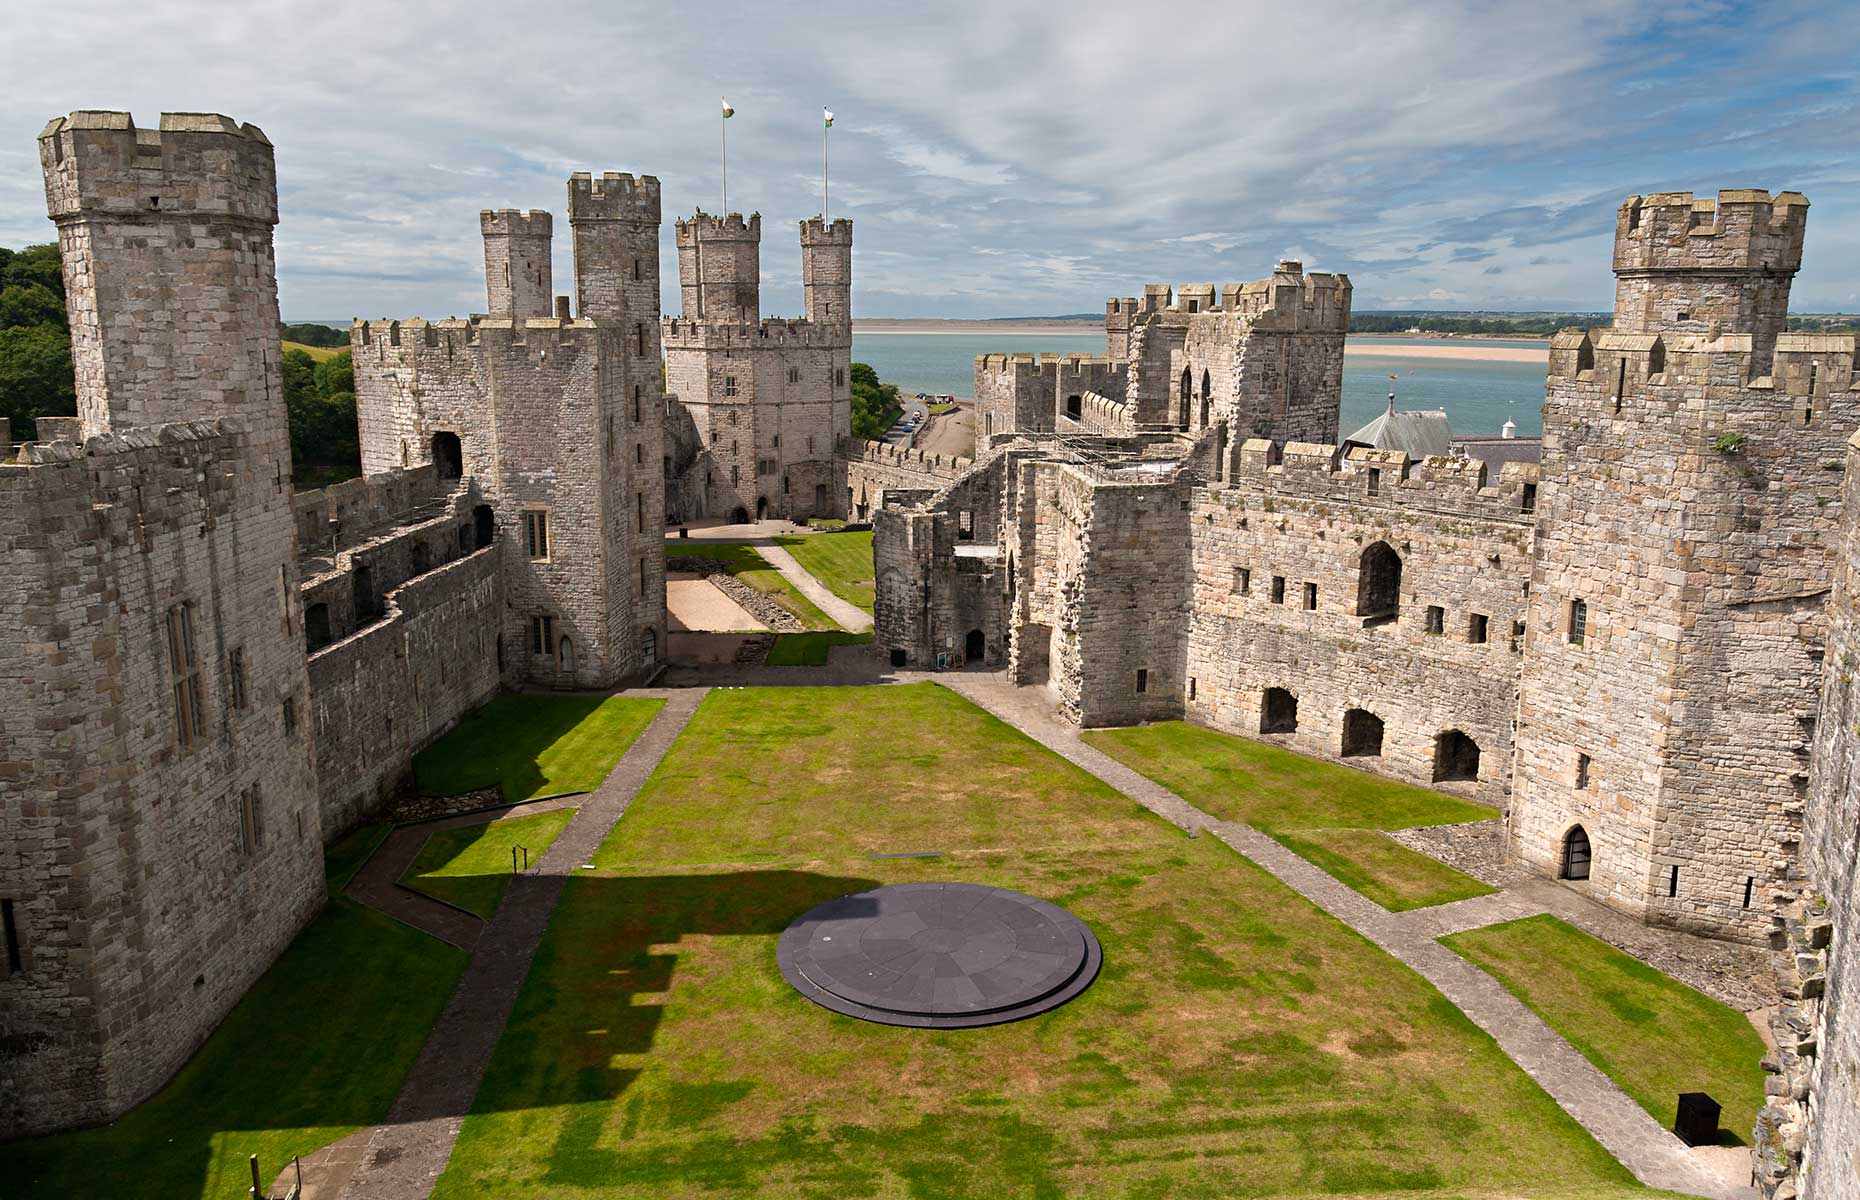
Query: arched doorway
820	500
762	507
1187	396
316	627
448	456
649	648
1362	734
565	656
1207	393
1575	854
483	525
1456	757
1378	582
975	646
1278	712
739	515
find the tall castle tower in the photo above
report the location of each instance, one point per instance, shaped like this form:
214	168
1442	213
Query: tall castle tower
1676	600
517	268
763	404
158	808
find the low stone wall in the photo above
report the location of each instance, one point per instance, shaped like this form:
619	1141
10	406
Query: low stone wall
756	604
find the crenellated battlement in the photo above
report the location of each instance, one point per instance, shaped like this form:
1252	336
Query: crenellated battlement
943	466
1799	363
768	333
613	196
1437	484
452	341
816	231
100	164
1745	229
517	222
1317	301
705	227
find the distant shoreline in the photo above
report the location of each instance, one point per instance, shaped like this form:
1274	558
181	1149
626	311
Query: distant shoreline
1465	349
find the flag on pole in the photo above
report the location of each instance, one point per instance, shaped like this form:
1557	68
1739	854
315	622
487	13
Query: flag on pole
829	113
728	112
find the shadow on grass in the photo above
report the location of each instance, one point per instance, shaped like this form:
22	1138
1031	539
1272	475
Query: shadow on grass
502	745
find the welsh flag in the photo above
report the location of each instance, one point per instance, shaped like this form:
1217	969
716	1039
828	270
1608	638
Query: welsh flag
829	113
728	112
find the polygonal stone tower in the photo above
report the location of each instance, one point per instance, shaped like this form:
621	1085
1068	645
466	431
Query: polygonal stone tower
517	269
1676	601
720	268
826	270
615	221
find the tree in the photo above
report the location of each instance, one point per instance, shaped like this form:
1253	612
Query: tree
36	376
30	305
875	405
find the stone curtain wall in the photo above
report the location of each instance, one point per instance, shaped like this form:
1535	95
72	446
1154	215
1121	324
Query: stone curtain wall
142	919
1464	540
875	470
388	691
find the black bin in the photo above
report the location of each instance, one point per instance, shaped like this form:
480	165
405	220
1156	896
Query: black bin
1697	1122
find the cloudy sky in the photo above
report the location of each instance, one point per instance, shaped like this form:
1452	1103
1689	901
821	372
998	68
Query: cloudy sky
999	158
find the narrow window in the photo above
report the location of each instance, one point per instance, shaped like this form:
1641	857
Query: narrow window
1375	481
1143	680
284	596
636	404
639	454
542	634
642	577
185	672
536	532
251	821
636	268
1578	622
794	374
290	716
1243	581
810	445
1278	589
1475	628
1191	687
639	337
1310	597
1620	382
1529	501
1436	619
729	385
235	677
16	958
639	511
1672	881
1583	763
1750	883
839	377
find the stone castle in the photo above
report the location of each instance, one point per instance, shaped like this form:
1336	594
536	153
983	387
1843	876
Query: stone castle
1639	646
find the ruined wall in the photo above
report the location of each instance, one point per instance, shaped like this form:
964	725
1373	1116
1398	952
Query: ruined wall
874	470
142	911
1276	529
942	585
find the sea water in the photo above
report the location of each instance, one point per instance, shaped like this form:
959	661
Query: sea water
1478	397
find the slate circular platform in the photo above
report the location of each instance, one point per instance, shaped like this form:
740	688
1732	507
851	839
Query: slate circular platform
939	955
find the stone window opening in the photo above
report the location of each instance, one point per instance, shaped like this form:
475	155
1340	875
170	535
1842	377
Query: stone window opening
639	338
448	455
1362	734
284	595
784	485
235	677
639	512
1207	394
729	385
1191	687
1517	636
1075	406
965	525
1278	711
1620	381
15	950
1750	885
1476	624
1243	581
1672	882
1278	589
1310	597
1585	356
316	627
251	821
642	578
536	533
778	441
636	268
794	374
184	670
1456	757
290	716
1527	500
839	377
1578	625
1584	768
542	634
1575	863
639	454
1375	481
1143	681
1436	620
810	445
636	416
422	558
1378	587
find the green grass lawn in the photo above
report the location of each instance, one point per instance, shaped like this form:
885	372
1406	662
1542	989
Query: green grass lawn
810	649
317	352
841	561
1651	1034
469	866
745	564
1328	813
317	1049
342	860
1238	1042
534	746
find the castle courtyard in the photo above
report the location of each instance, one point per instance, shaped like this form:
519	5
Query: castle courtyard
1240	1040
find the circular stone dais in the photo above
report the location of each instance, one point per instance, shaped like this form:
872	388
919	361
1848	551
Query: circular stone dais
939	955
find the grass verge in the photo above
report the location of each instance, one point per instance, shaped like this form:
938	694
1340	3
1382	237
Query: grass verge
745	564
469	866
534	746
810	649
1654	1036
1318	809
841	561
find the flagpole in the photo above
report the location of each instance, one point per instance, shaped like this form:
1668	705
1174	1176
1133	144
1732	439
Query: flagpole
724	128
825	207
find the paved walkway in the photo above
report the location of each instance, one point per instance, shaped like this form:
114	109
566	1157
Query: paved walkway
1655	1156
405	1157
849	616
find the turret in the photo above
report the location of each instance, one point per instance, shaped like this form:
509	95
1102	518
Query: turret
137	210
826	270
615	224
1703	267
518	274
719	267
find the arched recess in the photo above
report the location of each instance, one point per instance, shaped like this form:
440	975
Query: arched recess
448	455
1278	712
1362	734
1378	582
1207	393
1576	856
1456	757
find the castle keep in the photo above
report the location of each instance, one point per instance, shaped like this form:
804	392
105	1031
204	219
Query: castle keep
761	409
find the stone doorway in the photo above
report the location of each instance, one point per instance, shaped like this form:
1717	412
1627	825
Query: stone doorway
1456	757
975	646
1362	734
448	456
1575	854
1278	712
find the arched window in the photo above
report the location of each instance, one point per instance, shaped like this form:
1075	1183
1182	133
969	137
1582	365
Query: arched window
1378	583
1188	384
1207	392
649	647
1456	757
1362	734
1278	712
1575	854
